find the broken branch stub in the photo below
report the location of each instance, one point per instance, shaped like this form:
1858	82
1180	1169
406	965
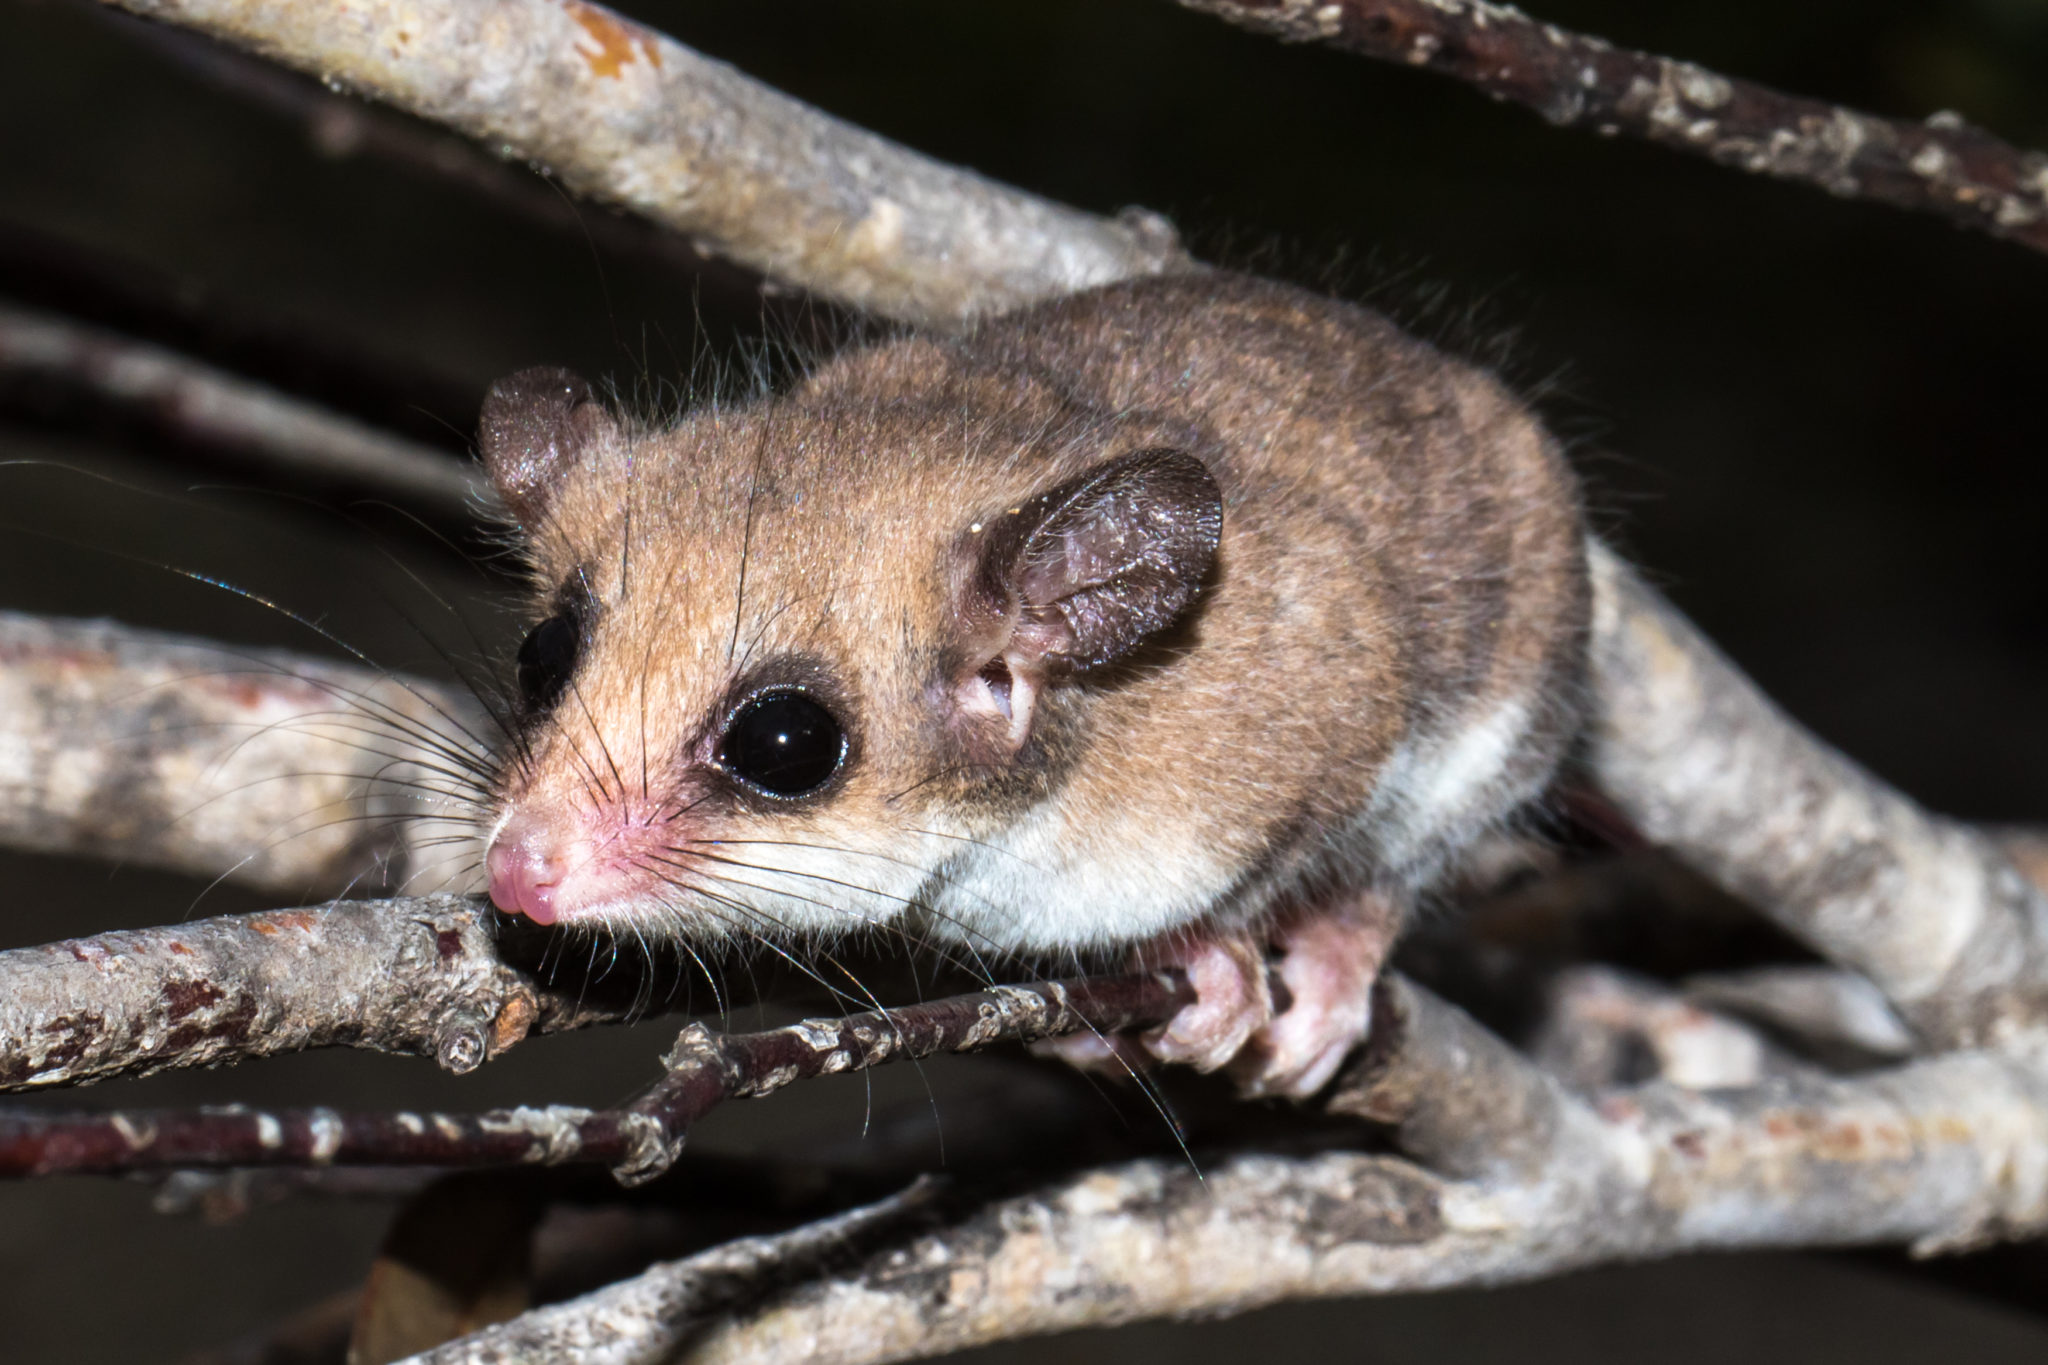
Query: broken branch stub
420	977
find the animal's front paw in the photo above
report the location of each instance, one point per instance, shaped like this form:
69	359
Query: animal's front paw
1329	958
1329	961
1232	1000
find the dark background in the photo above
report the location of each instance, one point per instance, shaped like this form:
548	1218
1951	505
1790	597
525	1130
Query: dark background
1819	424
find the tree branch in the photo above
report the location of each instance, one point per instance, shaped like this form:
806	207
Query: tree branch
1942	166
442	1002
646	1317
232	416
342	126
1530	1181
420	977
627	115
1931	910
279	771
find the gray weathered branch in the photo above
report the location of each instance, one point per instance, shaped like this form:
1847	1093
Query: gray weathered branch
632	117
1519	1176
234	417
646	1317
449	991
1943	166
1931	910
279	771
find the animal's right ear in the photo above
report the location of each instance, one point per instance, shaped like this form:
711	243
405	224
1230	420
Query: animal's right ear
536	425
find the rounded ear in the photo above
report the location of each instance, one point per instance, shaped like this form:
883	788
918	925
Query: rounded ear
535	427
1081	575
1089	570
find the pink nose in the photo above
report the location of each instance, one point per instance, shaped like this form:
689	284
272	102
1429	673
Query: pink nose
527	863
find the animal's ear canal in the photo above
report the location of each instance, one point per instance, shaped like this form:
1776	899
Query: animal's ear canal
535	427
1091	569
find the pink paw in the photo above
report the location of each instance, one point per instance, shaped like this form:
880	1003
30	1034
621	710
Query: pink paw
1232	1000
1329	960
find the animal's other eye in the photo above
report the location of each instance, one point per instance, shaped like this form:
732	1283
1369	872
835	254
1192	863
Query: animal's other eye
547	660
783	743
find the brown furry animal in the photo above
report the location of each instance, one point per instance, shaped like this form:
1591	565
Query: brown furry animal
1185	616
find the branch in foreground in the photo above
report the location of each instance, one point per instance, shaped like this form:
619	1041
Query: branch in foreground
278	771
420	977
1538	1182
639	1141
627	115
1931	910
1942	166
232	416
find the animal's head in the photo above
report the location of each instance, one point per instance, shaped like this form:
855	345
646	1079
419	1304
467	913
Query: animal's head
789	662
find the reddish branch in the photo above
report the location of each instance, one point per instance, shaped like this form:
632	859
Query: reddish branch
1942	166
639	1140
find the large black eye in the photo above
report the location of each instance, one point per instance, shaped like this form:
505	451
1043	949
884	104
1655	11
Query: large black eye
784	743
547	660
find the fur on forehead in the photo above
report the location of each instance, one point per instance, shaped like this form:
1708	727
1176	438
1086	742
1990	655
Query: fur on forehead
866	461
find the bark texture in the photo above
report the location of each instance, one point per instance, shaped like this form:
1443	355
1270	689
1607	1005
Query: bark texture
1933	911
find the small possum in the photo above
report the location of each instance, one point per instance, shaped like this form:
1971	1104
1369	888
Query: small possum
1180	619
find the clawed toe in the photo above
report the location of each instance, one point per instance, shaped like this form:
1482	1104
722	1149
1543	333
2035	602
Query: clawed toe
1329	960
1232	1002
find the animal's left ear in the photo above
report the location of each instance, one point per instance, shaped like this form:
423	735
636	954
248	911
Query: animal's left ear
1084	573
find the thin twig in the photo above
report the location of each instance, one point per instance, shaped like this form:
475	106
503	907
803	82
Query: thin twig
639	1140
632	117
233	417
1943	166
